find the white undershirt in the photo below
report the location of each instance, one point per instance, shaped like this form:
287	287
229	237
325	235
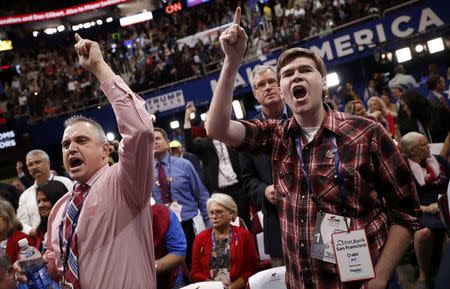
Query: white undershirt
310	132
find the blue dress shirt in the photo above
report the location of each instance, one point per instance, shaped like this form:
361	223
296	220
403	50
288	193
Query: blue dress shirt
185	185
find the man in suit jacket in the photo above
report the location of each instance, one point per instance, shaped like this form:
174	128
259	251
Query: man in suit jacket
220	167
256	169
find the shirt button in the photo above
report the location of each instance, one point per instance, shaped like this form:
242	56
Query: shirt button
335	176
302	221
303	196
113	87
302	245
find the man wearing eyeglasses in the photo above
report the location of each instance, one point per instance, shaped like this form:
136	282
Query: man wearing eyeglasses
256	168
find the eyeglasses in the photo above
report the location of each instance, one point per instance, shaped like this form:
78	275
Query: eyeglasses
262	84
218	213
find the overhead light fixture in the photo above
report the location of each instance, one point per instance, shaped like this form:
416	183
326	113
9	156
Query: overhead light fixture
332	79
203	116
75	28
136	18
174	124
50	31
87	25
61	28
435	45
110	136
192	115
403	54
237	108
35	33
99	22
109	19
153	117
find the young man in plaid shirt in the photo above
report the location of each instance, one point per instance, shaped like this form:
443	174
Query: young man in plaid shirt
323	162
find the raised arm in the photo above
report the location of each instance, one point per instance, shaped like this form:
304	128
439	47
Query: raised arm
218	123
135	167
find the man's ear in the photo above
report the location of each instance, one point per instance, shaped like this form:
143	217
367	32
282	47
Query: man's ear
105	150
281	93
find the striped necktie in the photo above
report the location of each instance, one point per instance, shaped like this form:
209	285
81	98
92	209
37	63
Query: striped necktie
71	274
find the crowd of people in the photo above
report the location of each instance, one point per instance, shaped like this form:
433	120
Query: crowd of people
170	212
149	55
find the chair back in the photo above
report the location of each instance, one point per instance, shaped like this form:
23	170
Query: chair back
268	279
445	212
205	285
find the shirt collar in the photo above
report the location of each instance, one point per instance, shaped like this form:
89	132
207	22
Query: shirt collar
331	122
284	115
50	178
164	160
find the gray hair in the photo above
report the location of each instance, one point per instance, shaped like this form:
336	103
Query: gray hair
8	214
79	118
260	69
408	142
225	201
40	153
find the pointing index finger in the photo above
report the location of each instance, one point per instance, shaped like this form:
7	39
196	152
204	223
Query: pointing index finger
237	16
78	37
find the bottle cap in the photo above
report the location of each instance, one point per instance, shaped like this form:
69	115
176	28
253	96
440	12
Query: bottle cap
23	242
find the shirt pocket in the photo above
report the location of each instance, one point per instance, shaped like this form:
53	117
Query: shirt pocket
284	174
328	191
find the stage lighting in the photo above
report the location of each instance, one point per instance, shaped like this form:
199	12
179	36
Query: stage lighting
419	48
87	25
435	45
99	22
203	116
61	28
110	136
50	31
192	115
153	117
237	108
35	33
403	54
332	79
136	18
174	124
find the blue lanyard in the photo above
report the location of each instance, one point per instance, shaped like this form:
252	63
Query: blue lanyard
65	254
337	167
214	240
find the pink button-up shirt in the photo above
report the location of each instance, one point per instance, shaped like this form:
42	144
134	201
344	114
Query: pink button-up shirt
114	229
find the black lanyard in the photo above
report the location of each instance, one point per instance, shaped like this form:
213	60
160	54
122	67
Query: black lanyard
337	167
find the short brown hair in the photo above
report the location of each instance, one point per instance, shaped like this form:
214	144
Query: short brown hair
289	55
163	132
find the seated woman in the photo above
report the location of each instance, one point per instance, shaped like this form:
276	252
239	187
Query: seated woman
378	109
10	231
224	252
47	195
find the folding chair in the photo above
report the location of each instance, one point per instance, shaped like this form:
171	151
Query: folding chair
268	279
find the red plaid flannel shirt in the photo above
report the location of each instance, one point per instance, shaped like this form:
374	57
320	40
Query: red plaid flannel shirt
380	188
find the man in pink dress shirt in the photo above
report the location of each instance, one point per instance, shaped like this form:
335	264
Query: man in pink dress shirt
114	231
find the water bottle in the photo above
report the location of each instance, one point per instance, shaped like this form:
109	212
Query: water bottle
34	267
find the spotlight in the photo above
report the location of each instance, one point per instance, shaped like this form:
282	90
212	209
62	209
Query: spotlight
109	19
35	33
237	108
110	136
192	115
87	25
389	56
403	54
75	27
419	48
174	124
435	45
99	22
153	117
203	116
332	79
61	28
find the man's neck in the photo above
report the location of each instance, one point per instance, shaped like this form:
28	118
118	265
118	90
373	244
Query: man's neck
273	111
160	155
42	180
313	119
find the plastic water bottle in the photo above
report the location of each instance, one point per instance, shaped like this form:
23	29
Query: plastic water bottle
34	267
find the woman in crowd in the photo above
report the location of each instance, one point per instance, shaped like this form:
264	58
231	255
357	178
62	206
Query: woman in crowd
47	195
10	231
377	108
224	252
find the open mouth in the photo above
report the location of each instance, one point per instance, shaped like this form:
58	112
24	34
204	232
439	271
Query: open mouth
299	92
75	162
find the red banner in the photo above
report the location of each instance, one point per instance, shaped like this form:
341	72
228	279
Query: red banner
40	16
